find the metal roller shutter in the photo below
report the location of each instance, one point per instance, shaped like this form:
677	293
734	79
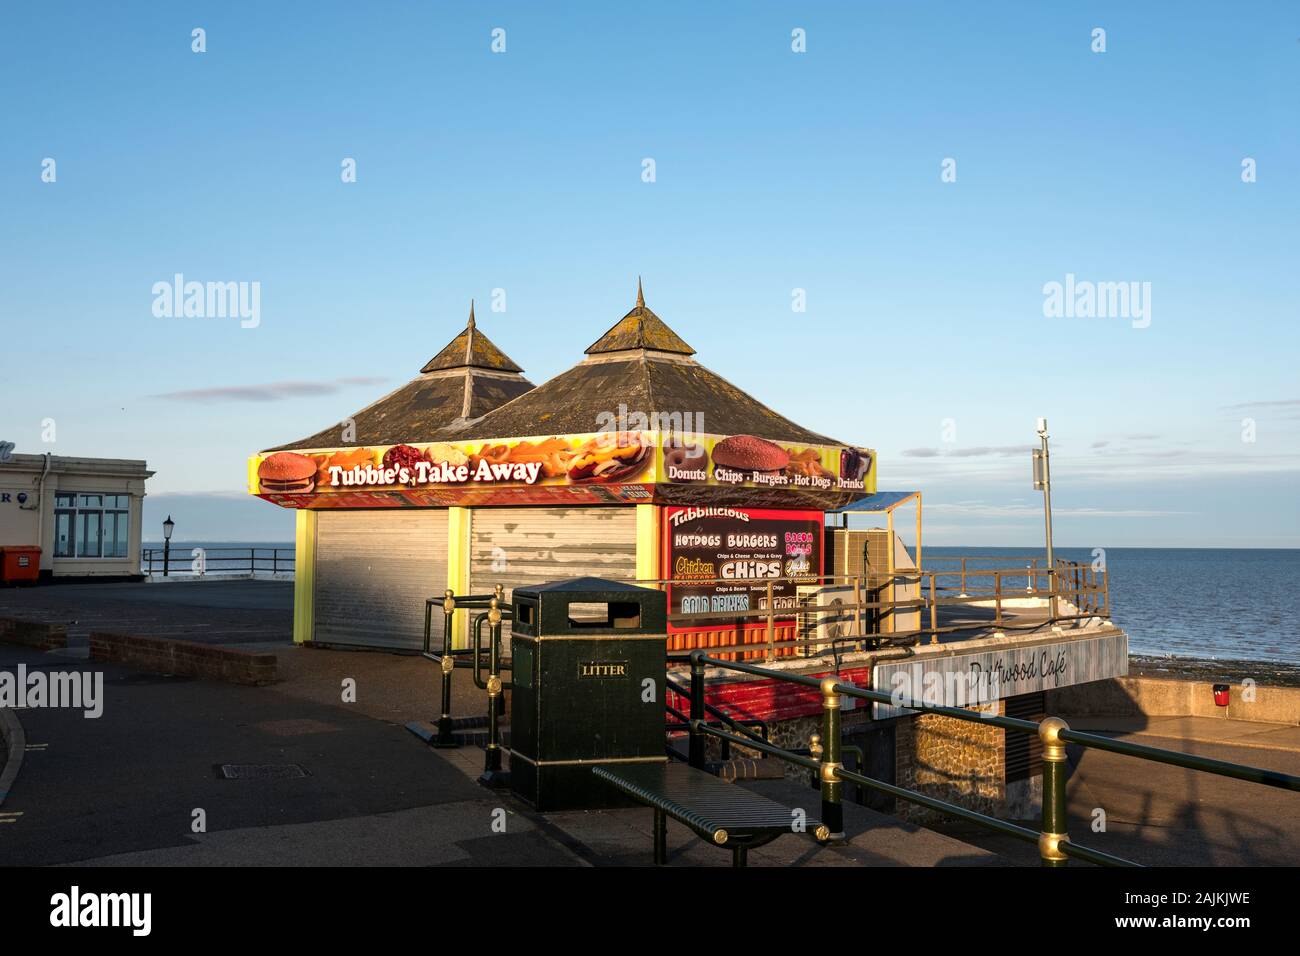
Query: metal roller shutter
1024	752
516	546
374	570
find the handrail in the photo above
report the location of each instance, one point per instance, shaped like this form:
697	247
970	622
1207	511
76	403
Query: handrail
720	714
847	578
1221	768
1071	592
1053	840
217	560
447	661
683	724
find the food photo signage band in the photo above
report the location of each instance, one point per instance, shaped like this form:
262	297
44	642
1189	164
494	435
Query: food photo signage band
750	461
745	547
606	457
590	459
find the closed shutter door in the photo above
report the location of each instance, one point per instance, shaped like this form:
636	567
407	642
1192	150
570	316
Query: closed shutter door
374	570
1024	752
521	546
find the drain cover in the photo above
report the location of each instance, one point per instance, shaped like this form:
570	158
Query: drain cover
260	771
296	727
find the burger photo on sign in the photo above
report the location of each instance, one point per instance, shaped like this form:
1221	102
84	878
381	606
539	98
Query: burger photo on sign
287	473
739	457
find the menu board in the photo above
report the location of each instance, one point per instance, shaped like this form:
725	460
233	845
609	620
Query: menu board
743	548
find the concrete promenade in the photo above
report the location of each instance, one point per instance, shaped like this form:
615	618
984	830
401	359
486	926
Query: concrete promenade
125	788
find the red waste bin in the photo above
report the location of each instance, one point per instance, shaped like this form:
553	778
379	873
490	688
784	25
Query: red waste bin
20	564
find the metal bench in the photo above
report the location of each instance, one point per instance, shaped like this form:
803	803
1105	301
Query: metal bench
722	813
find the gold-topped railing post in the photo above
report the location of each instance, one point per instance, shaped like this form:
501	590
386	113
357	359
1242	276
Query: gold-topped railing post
445	737
492	775
1054	832
832	786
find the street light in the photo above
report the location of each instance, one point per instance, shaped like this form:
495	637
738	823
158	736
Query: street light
168	525
1043	483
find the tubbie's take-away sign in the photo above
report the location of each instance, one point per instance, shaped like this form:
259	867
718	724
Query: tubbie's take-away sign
602	466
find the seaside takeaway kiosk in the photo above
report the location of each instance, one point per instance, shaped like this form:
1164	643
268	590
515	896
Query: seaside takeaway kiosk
640	465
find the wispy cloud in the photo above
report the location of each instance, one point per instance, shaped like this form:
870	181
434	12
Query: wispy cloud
1105	465
267	392
1011	510
975	451
233	494
1280	403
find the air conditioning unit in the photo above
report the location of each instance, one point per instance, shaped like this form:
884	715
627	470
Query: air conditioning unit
826	624
857	552
864	554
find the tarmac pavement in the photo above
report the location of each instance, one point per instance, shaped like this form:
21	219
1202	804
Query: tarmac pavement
207	611
124	788
1161	815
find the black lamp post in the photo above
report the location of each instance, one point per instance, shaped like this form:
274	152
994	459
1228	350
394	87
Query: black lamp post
168	525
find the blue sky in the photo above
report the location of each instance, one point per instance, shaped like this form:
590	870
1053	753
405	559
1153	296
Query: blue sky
775	170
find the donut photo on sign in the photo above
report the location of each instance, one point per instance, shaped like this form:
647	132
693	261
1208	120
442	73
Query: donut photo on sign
685	460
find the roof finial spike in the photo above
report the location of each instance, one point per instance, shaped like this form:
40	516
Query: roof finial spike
640	296
469	344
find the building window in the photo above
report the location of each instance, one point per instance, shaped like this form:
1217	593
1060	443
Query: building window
64	547
91	525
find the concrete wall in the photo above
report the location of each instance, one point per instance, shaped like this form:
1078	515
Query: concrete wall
163	656
38	634
1155	697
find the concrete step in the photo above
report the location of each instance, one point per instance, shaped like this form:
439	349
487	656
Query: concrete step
479	738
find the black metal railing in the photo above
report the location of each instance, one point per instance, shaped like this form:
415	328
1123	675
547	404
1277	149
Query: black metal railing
946	602
1054	845
494	611
823	757
753	728
184	562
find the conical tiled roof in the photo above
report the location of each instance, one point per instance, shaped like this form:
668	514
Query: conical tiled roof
641	375
471	349
640	329
465	381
